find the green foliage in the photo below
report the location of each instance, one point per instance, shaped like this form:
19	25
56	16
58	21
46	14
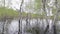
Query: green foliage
58	1
51	17
58	18
53	11
41	16
12	13
7	12
24	14
34	15
37	4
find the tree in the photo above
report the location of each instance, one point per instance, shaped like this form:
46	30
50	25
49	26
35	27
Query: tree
20	19
55	18
44	9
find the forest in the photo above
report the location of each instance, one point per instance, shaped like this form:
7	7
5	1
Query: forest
29	16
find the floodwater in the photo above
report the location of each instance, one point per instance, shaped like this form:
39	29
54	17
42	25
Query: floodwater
13	26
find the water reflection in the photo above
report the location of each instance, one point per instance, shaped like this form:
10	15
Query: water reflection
13	26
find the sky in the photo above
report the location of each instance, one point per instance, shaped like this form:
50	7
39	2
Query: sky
14	3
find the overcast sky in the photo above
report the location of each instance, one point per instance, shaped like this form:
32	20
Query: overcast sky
15	3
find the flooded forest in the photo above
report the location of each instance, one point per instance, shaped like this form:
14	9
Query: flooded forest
29	16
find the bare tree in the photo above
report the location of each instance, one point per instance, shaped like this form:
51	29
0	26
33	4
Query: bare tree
20	21
55	17
44	9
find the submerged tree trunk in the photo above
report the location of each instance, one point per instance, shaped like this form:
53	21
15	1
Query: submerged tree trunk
55	18
20	19
44	9
3	28
27	22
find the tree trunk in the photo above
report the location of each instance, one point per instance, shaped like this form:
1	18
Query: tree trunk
20	19
44	9
55	18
